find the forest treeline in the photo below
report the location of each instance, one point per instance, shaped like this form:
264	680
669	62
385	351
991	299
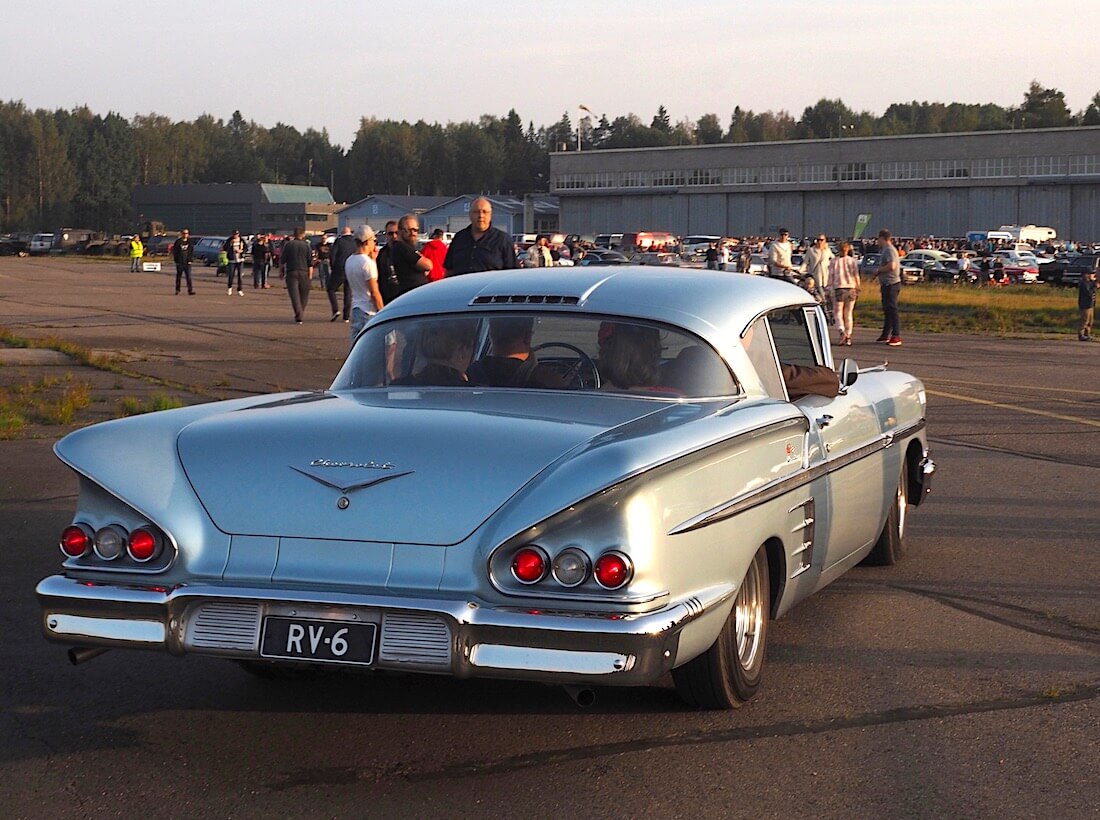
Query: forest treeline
78	168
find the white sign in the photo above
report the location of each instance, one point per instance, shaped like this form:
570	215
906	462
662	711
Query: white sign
151	267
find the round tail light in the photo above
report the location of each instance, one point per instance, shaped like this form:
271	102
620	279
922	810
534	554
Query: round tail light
529	565
110	541
570	567
75	541
613	570
143	545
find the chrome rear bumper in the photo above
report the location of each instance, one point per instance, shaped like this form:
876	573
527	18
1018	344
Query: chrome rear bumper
461	638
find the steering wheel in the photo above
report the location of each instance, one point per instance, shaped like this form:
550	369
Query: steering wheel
574	371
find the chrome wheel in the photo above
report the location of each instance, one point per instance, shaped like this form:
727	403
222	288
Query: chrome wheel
750	611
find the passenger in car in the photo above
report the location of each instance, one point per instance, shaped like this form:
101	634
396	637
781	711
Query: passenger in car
446	347
630	358
512	364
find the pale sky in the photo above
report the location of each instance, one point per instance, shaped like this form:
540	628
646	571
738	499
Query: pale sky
327	64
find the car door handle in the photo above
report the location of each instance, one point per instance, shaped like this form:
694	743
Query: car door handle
824	421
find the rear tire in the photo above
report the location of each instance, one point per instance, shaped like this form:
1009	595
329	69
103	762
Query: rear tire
890	547
729	673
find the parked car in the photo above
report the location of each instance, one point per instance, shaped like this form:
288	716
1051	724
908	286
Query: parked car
1068	270
208	248
694	247
12	245
869	263
602	257
40	244
567	520
610	241
950	274
919	255
758	264
1019	267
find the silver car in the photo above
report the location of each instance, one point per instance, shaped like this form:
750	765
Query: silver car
590	476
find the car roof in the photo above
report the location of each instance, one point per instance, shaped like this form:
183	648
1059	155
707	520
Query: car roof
714	305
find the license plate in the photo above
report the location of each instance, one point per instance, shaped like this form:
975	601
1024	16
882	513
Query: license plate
318	641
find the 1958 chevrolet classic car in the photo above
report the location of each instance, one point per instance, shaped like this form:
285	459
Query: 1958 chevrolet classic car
587	477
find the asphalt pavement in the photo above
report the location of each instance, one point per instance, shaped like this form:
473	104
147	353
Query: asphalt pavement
963	682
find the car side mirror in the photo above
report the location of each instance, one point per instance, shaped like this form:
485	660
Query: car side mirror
849	372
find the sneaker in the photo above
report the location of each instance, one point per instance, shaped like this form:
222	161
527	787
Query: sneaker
883	338
190	293
335	316
267	286
229	292
894	341
240	293
177	293
297	321
848	341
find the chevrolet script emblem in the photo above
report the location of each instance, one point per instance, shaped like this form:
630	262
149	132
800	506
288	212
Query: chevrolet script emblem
343	485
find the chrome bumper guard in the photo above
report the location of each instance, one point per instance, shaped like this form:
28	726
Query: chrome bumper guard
461	638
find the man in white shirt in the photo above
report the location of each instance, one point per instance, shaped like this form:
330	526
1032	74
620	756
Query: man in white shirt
361	274
779	256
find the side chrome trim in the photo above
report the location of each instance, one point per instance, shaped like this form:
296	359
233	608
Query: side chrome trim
781	486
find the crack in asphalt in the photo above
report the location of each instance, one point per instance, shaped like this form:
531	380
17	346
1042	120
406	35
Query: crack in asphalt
956	601
346	775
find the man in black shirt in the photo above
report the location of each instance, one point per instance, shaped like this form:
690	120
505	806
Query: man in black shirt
480	247
411	267
343	248
296	260
182	250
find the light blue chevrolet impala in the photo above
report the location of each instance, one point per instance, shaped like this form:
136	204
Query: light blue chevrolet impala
588	476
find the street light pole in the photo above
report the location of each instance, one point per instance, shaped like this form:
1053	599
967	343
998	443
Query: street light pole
589	112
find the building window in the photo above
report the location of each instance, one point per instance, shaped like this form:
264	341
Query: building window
704	176
815	173
947	168
668	179
993	168
1084	164
1042	166
854	171
901	170
635	179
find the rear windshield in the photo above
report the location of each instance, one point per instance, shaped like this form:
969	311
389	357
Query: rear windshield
548	351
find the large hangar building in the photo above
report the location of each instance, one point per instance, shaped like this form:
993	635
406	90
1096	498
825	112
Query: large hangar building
916	185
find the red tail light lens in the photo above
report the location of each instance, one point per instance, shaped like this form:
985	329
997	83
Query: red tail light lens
143	545
75	541
613	570
529	565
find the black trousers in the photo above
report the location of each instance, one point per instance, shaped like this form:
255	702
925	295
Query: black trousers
298	285
891	320
184	270
335	280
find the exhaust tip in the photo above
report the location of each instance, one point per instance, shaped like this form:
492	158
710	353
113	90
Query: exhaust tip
82	654
583	696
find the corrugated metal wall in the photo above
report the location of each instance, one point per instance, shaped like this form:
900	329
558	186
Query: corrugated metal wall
1074	210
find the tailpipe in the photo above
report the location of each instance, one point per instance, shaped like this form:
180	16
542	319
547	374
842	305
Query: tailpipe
82	654
581	695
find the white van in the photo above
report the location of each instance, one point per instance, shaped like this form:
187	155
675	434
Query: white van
1035	234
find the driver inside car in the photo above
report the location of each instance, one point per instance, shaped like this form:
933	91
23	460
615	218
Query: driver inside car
511	362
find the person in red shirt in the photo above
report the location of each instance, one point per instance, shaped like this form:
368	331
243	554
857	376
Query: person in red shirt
436	250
